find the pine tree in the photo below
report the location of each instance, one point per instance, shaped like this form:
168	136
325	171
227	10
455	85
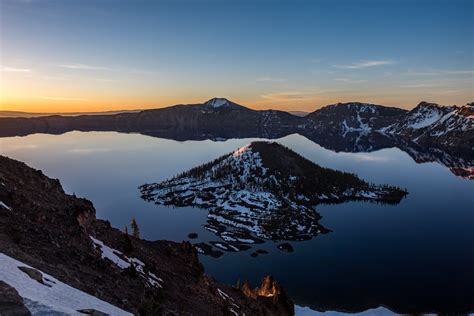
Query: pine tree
135	229
126	230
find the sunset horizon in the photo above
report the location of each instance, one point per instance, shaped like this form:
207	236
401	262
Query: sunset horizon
69	109
50	64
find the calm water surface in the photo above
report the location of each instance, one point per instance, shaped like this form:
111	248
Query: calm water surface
415	256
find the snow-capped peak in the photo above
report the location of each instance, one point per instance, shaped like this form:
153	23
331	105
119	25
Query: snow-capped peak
217	102
425	114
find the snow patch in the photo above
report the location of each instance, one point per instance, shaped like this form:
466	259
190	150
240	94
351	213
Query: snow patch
55	298
116	257
226	297
425	119
217	102
363	128
5	206
379	311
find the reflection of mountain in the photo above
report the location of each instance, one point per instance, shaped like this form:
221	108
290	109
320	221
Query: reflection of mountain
429	132
264	190
462	166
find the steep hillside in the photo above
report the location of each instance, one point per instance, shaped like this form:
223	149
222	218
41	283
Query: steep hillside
53	238
344	118
432	125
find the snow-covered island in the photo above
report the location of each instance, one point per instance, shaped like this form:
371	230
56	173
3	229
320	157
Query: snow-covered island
264	191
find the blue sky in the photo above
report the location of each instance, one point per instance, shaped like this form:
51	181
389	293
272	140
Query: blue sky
301	55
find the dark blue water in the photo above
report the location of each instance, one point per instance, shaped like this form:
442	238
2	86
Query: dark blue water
414	256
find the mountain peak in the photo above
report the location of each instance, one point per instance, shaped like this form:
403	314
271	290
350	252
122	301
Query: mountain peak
223	103
427	104
218	102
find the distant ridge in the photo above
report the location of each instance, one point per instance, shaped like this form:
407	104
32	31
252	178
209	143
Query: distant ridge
14	114
429	125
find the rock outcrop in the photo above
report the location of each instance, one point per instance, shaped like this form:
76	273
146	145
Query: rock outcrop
11	303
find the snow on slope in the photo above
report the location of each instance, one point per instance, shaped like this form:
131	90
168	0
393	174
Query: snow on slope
363	128
226	194
425	117
233	202
5	206
54	298
435	120
116	257
459	119
379	311
217	102
241	193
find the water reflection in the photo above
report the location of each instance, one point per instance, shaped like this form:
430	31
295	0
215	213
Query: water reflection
412	257
462	165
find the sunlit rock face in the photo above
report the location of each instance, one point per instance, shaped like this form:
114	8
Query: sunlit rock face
269	289
263	191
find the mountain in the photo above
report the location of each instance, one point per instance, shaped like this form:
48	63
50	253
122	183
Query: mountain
57	258
343	118
429	126
223	103
14	114
266	190
217	116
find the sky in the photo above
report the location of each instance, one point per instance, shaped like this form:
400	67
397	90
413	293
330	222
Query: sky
82	55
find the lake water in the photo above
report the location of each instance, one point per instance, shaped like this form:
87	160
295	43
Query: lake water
417	256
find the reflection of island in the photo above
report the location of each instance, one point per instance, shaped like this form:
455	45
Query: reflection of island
264	191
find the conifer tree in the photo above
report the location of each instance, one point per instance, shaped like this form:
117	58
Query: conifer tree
135	229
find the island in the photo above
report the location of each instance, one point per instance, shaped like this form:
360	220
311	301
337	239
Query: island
264	190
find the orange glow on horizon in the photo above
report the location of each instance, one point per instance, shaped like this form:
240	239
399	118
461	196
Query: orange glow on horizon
70	105
25	93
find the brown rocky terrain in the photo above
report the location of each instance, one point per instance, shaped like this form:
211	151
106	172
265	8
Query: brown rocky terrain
58	233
